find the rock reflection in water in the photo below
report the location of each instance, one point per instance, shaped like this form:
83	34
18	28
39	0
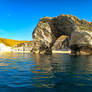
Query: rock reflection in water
64	72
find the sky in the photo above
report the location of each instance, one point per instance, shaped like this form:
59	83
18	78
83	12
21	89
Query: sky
18	18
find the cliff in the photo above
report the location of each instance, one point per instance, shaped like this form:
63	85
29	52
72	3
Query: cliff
48	30
10	42
81	42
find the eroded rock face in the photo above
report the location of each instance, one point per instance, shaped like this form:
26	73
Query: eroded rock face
81	42
61	43
49	30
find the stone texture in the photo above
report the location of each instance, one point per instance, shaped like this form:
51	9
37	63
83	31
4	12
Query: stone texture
48	30
61	43
81	42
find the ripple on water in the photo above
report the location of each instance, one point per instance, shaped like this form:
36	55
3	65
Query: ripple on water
64	72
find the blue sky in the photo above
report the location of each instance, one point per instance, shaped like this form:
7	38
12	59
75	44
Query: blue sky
18	18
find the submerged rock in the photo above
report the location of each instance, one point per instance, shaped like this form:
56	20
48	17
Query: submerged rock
48	30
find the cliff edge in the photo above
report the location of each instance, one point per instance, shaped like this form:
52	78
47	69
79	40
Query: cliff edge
48	30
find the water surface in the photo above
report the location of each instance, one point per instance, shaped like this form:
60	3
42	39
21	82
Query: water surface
20	72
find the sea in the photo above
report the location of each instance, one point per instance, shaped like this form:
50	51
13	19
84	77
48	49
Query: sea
25	72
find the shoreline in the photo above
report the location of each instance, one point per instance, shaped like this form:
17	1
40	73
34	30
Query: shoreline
60	51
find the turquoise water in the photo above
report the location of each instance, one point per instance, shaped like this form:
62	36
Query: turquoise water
45	73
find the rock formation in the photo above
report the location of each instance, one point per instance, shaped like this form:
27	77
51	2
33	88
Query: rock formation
48	30
81	42
61	43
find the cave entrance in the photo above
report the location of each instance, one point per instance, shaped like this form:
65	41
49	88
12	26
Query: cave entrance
61	43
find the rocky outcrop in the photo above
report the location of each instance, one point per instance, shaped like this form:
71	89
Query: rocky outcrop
81	42
48	30
61	43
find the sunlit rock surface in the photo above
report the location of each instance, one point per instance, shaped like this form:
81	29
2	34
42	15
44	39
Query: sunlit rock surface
81	42
62	43
48	30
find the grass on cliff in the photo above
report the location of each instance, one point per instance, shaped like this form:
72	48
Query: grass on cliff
10	42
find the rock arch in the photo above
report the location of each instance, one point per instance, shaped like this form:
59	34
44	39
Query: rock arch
48	30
